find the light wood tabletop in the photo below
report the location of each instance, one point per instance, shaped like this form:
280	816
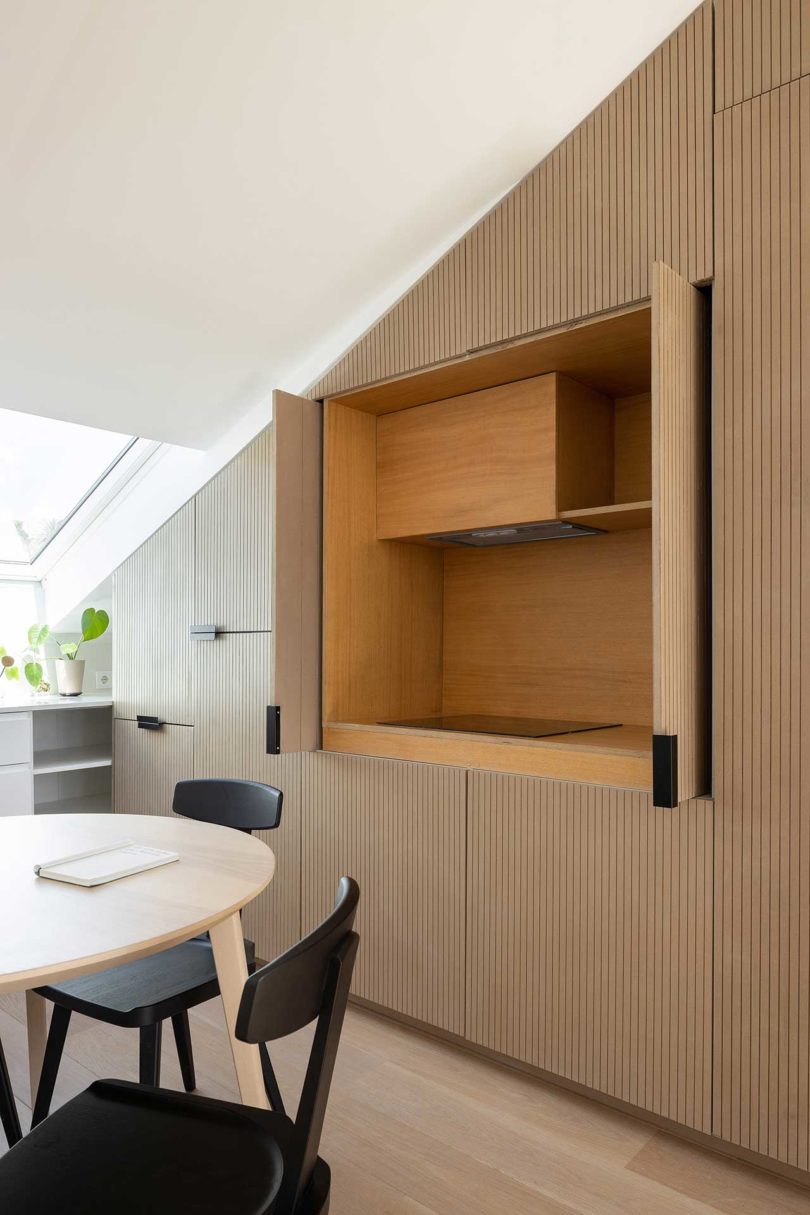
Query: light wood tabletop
54	931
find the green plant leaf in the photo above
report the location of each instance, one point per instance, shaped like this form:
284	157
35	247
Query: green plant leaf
3	651
69	649
94	624
37	635
33	673
12	672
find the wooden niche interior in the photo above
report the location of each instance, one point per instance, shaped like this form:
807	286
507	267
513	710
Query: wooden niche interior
551	429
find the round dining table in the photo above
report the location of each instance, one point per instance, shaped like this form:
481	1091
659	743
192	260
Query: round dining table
51	930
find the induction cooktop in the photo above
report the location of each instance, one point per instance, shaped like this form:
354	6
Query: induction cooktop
482	723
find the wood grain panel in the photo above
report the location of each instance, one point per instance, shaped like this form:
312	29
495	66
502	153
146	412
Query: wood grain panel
428	325
147	764
680	525
589	938
152	612
477	460
399	829
761	614
760	45
233	541
382	599
558	629
628	186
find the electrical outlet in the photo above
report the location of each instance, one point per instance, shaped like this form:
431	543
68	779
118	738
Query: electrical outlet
103	680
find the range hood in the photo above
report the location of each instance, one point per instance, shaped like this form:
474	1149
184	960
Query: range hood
518	533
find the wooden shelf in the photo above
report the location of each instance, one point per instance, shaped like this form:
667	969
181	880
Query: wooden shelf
623	517
72	759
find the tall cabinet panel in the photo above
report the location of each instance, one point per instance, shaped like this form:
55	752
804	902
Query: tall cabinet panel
761	355
152	611
589	938
399	829
680	394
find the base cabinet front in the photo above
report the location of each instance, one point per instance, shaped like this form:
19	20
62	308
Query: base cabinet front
399	830
147	764
589	938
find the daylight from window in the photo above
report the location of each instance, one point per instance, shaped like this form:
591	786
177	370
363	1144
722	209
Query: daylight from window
47	467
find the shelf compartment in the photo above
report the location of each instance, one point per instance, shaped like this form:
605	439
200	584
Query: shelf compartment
623	517
89	803
72	759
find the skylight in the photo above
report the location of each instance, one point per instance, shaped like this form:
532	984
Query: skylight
47	470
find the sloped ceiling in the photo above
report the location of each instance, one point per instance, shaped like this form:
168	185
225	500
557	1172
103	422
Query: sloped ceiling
202	199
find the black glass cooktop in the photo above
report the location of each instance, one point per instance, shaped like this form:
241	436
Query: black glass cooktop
482	723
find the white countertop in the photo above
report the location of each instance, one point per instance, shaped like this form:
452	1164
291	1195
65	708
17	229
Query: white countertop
26	704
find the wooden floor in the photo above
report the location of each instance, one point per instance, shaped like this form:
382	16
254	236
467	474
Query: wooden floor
420	1128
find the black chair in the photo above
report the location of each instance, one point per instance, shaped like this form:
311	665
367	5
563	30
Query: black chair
119	1147
165	986
9	1119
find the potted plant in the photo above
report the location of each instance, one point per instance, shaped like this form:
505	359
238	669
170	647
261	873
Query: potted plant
69	668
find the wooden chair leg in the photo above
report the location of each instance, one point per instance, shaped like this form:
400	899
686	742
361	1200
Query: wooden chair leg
8	1110
57	1033
270	1082
182	1038
149	1070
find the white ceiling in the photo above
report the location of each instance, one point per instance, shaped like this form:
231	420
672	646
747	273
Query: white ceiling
202	198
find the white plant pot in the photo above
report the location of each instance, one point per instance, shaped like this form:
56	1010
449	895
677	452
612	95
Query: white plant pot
69	676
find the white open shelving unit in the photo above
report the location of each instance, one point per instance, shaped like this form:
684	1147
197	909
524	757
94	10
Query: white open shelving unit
56	756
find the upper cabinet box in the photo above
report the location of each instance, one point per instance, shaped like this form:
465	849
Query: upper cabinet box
242	557
516	453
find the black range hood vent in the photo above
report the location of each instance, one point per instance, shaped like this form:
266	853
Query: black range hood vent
518	533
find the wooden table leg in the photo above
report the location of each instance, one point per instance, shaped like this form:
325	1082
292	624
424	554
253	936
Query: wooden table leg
229	956
35	1013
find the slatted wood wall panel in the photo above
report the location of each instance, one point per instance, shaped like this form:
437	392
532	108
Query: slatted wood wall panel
630	185
589	938
427	326
147	764
233	550
761	44
152	612
399	829
232	688
679	425
762	610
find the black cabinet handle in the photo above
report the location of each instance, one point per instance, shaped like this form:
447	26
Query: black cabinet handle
665	770
273	730
146	722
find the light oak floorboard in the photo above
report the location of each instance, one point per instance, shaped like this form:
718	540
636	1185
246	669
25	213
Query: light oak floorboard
418	1127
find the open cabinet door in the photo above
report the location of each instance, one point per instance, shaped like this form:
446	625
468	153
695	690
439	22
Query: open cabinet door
296	588
680	529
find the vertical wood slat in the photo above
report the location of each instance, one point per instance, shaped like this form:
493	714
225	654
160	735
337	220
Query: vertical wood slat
761	45
761	614
428	325
679	419
152	607
233	551
630	185
232	688
666	175
589	938
399	829
147	764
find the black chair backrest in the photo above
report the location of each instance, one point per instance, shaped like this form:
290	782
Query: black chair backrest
311	980
245	805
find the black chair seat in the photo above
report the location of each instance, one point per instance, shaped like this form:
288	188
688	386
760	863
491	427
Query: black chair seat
149	990
119	1147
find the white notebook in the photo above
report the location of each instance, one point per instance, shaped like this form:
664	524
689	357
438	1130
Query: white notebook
106	864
